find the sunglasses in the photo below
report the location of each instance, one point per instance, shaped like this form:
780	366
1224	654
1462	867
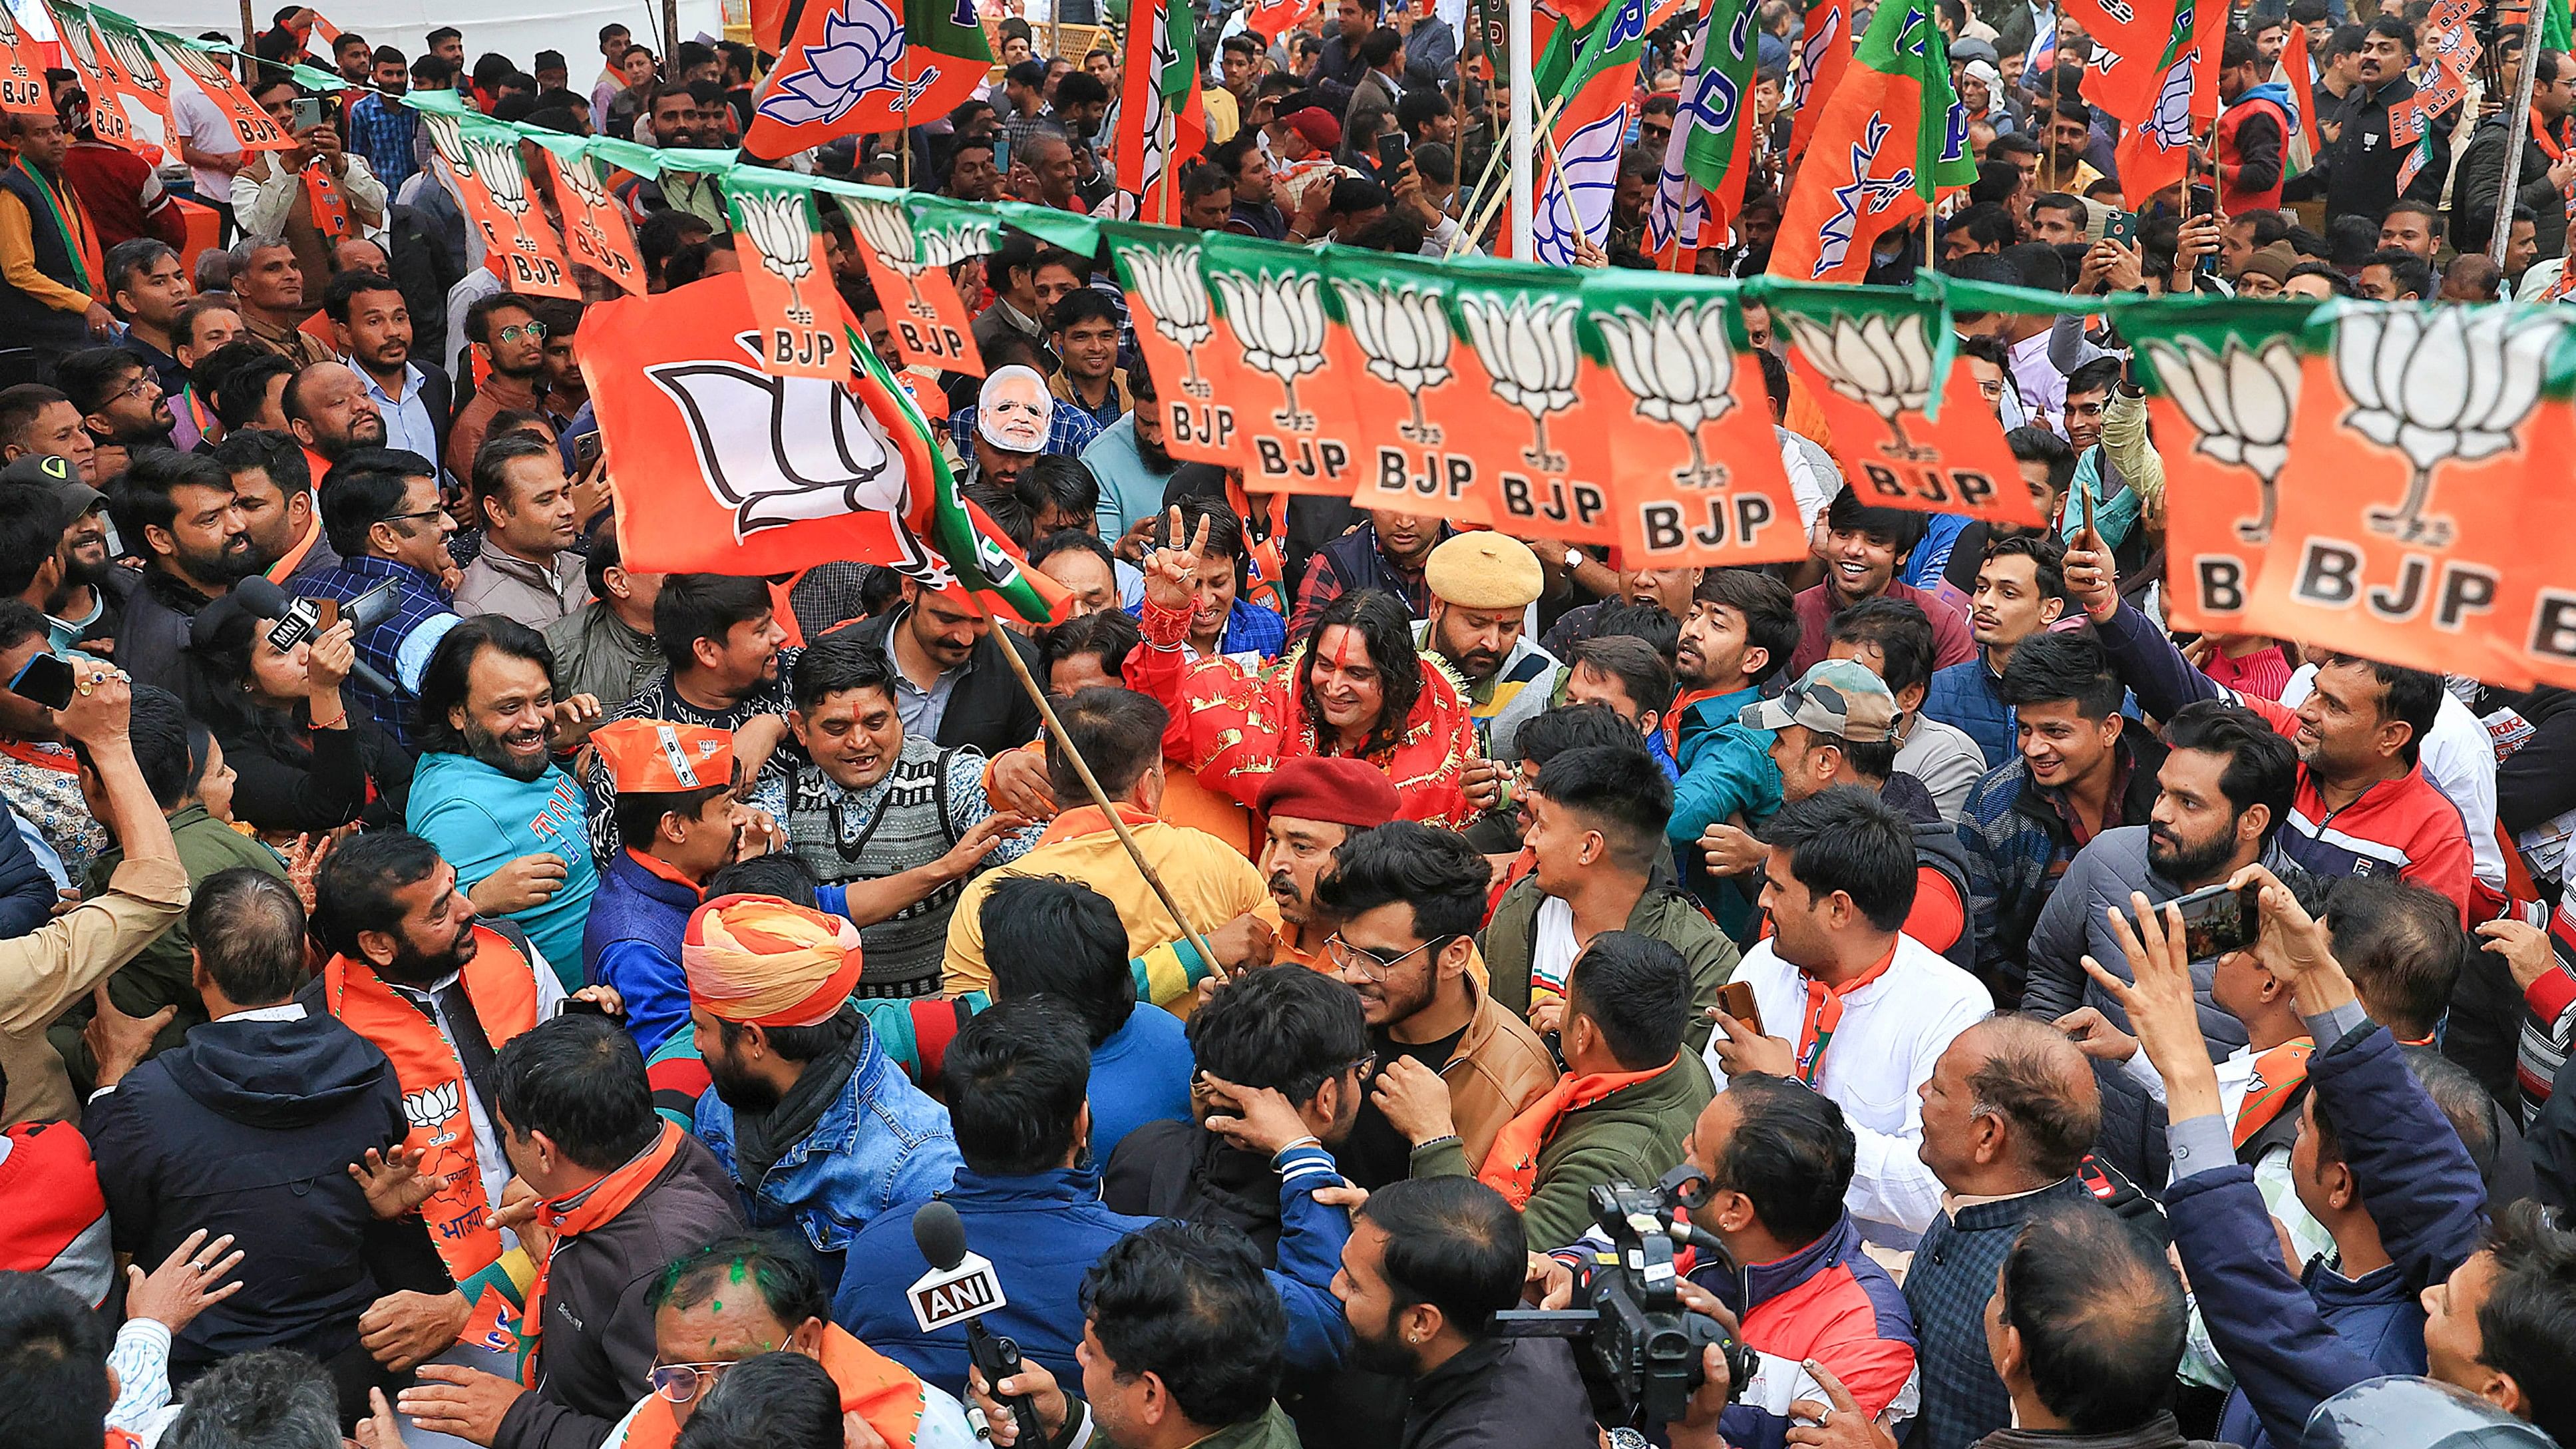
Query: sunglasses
678	1383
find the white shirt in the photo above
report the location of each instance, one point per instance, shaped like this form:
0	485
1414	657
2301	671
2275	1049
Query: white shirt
489	1160
202	125
2041	385
2459	759
1892	1031
264	192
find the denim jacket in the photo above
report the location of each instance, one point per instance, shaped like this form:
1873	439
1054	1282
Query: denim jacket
882	1144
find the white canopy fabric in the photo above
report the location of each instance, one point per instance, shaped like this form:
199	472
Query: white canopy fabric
515	28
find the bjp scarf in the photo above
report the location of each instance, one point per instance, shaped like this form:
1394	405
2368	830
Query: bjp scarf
1511	1164
2555	148
1825	1014
2278	1076
566	1218
762	961
872	1386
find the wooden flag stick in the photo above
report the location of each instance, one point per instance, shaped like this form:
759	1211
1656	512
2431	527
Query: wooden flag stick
1099	797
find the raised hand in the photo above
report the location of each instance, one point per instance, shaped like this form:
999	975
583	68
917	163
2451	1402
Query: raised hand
1170	571
395	1185
2295	946
2158	1000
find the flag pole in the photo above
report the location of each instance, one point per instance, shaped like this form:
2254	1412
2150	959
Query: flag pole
1091	783
2518	121
1524	100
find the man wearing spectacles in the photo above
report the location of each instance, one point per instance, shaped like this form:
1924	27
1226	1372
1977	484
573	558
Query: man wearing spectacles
503	330
119	398
739	1297
382	515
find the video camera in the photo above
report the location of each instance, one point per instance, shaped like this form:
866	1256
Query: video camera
1646	1347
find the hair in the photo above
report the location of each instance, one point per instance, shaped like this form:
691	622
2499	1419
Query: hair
1451	1242
1119	731
2046	554
1573	727
20	405
1902	526
491	479
2049	667
1641	619
1198	179
2527	1325
1845	839
354	890
141	498
1078	306
1285	1027
1224	528
1417	109
2406	271
248	928
2100	1317
31	535
1016	1077
1188	1303
1770	611
2412	697
364	489
2403	947
1643	675
2333	277
2100	375
692	607
447	680
1636	991
170	747
1619	791
1791	1153
1047	936
1902	633
2262	768
2074	206
348	287
134	254
235	377
53	1358
835	663
270	1398
1985	223
781	1400
1079	88
2025	1080
1071	540
580	1081
639	813
2031	444
778	1267
1111	634
1437	871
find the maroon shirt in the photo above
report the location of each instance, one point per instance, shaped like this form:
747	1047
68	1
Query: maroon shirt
1950	641
123	197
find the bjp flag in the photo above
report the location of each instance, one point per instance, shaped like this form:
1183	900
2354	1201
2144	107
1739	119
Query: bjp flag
1891	136
518	244
851	66
907	243
595	227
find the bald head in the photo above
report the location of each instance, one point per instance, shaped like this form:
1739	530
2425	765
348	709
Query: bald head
2023	1074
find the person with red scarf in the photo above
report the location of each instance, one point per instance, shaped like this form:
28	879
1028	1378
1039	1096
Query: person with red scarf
619	1194
1356	687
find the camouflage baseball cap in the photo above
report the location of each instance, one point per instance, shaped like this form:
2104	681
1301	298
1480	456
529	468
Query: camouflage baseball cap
1836	697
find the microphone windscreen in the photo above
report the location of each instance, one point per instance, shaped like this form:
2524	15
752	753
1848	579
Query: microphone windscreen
939	1234
261	597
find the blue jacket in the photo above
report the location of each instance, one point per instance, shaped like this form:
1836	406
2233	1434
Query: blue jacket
632	942
2290	1345
1140	1075
1726	770
27	893
1966	696
880	1145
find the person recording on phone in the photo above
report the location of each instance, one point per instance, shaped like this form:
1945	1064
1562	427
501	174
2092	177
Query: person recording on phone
2422	1277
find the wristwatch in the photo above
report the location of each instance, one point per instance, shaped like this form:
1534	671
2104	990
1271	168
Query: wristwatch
1574	559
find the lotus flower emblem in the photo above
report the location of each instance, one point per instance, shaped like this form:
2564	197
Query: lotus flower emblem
583	182
83	46
782	450
946	246
1881	361
886	228
1526	344
862	41
2241	400
1403	334
200	66
2440	383
776	221
1168	279
136	59
431	1107
1680	366
447	137
1576	202
496	165
1279	319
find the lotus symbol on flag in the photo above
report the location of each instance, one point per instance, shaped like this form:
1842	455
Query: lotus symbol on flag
1526	343
887	229
946	246
128	48
1680	366
82	45
2436	384
201	67
781	450
447	137
862	40
583	182
1168	279
1882	361
496	165
776	221
2241	401
1404	336
1279	319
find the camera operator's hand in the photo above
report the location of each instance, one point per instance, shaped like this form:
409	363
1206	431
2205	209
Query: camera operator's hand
1841	1424
1414	1101
1697	1427
1258	1119
2295	946
1032	1381
1549	1282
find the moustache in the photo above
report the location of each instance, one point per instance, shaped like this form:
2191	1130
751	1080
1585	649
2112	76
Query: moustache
1282	883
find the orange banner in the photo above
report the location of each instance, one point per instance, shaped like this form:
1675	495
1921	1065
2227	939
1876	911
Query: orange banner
1872	375
802	330
518	244
923	312
595	226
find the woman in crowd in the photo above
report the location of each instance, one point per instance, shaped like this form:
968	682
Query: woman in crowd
306	764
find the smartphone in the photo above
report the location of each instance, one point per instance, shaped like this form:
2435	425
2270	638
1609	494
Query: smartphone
46	679
2122	228
578	1006
326	612
307	114
585	453
1391	148
1735	998
2217	920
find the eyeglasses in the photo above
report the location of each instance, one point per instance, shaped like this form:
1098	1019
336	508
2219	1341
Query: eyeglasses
678	1383
437	512
1346	957
144	383
533	331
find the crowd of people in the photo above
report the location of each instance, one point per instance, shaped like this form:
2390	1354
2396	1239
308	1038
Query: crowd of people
456	986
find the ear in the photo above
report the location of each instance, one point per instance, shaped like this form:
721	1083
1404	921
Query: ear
160	541
2009	1361
707	652
1756	659
2251	825
1649	721
377	946
2049	610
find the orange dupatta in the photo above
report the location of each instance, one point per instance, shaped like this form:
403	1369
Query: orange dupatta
2278	1075
1825	1013
1511	1164
872	1386
593	1206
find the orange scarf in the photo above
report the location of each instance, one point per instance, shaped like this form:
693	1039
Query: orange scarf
2278	1076
570	1217
503	990
1511	1164
2556	150
1673	717
874	1387
1087	820
1825	1013
329	208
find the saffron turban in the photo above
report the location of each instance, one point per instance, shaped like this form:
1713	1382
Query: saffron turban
762	961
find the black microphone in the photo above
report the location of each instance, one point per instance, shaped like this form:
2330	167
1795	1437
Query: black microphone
268	601
961	1288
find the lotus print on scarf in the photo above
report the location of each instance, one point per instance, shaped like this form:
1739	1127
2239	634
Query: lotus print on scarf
2440	384
862	40
1526	343
1881	361
1405	336
430	1108
1168	279
1679	364
1279	319
2241	401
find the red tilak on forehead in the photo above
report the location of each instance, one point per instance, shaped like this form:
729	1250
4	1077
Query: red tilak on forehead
1352	652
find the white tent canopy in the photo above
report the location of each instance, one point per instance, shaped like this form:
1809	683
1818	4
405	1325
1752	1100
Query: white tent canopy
513	29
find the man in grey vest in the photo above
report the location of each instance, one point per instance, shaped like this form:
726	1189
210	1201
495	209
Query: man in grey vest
896	824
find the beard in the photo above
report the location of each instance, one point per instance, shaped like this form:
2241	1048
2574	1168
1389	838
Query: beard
412	966
227	565
740	1090
2183	863
486	746
1388	1355
1156	460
